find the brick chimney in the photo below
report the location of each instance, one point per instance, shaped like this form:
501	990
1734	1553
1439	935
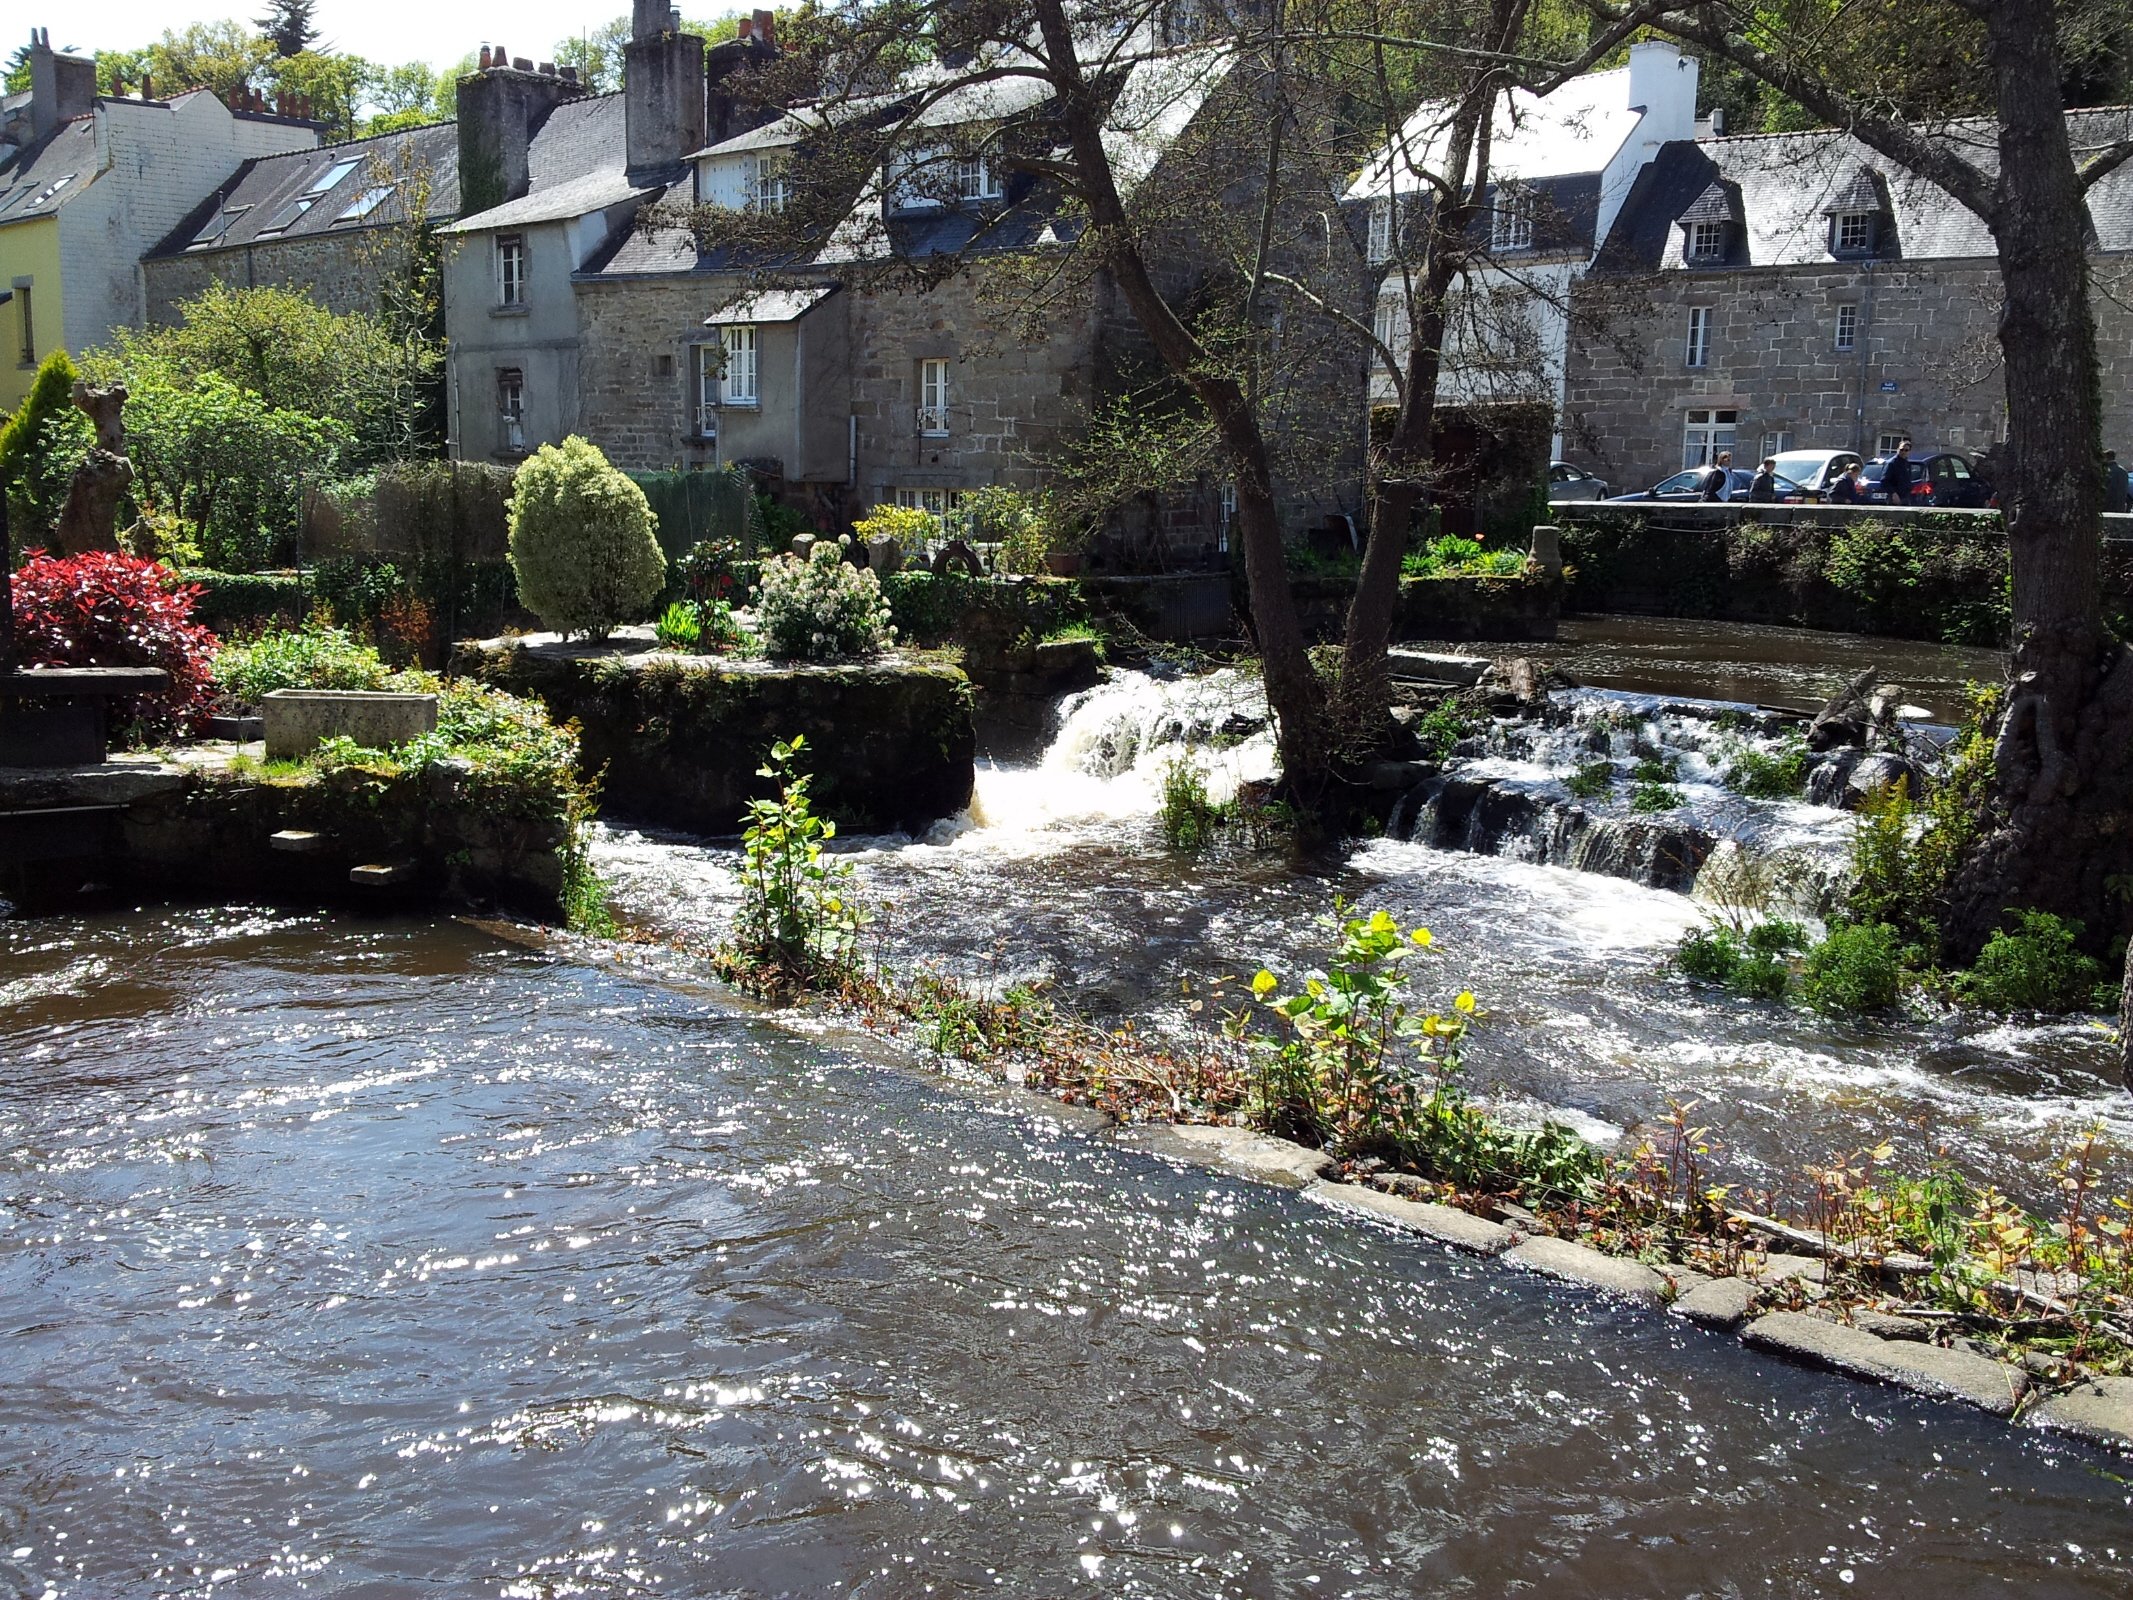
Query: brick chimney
62	86
501	107
663	92
728	107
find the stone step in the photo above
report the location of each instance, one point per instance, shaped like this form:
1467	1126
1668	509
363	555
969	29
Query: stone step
298	841
382	874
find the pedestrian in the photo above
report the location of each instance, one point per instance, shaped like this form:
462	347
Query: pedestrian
1718	479
1763	487
1898	476
2117	489
1847	491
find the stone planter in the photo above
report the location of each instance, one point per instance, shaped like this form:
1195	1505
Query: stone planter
298	719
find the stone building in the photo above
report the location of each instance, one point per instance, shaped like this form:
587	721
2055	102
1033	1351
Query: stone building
1799	291
89	183
305	221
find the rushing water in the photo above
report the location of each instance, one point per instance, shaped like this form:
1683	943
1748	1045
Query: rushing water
387	1258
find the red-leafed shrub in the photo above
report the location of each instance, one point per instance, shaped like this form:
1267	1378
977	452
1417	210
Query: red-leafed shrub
107	610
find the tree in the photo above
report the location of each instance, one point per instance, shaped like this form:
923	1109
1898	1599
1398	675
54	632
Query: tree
583	545
219	56
40	445
2057	834
288	27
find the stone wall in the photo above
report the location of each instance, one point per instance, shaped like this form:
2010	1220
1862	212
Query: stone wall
1926	362
330	270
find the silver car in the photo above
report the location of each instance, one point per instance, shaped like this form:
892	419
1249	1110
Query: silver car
1567	482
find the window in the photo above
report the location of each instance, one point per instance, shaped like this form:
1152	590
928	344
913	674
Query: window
706	362
739	387
767	190
1854	233
216	226
972	178
1707	433
1847	327
944	505
1707	241
511	410
53	188
1380	243
1384	322
1228	504
1887	443
287	216
331	178
1511	224
1698	350
29	324
933	397
365	203
1775	444
510	269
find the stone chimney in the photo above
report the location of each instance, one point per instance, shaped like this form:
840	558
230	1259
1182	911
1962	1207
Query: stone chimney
729	108
62	86
662	93
501	107
1662	84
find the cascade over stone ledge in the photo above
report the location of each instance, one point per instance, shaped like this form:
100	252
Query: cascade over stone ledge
891	742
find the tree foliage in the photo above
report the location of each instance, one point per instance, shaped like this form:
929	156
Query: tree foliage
40	443
288	26
583	543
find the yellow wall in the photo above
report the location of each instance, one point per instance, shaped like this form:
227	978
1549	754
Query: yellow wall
28	250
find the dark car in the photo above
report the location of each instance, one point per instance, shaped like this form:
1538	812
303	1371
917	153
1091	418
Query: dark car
1944	478
1683	486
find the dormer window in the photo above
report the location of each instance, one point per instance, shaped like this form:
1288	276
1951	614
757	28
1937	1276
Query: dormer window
1710	225
1854	233
1379	245
937	177
1856	213
767	188
1707	241
973	178
1511	224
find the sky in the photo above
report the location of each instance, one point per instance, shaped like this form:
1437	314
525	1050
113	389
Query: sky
390	31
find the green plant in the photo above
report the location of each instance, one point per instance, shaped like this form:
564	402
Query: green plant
1649	799
2038	965
582	541
1024	527
1443	726
796	922
313	656
1779	774
1872	561
1593	780
1905	852
914	531
821	608
41	441
678	627
1189	820
1451	556
1077	632
1858	967
1751	963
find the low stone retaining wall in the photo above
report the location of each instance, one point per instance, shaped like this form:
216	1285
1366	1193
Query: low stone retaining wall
1470	610
1174	607
679	738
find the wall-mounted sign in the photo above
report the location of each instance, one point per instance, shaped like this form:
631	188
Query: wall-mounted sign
1890	386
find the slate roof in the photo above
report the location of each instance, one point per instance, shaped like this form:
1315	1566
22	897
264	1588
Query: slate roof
575	167
40	179
1788	186
271	198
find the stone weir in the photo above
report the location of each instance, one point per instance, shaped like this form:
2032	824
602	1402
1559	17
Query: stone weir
214	821
676	739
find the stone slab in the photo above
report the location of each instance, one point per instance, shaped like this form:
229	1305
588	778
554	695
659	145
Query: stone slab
1781	1266
1718	1303
297	719
2099	1410
1577	1263
1236	1150
1924	1368
116	783
1445	1224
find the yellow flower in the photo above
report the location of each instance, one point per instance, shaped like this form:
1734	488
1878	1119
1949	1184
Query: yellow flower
1465	1002
1422	937
1263	983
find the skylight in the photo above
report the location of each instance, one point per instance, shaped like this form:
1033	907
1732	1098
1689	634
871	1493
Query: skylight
281	220
216	226
365	203
333	175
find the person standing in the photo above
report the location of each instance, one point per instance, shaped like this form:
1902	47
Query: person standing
2117	488
1763	487
1846	491
1718	478
1898	476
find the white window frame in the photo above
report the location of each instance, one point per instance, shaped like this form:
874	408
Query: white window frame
511	409
972	178
1775	444
739	382
1847	334
933	397
1696	348
28	347
944	506
768	189
1378	246
1226	504
1885	444
510	269
707	363
1511	222
1705	433
1707	241
1854	233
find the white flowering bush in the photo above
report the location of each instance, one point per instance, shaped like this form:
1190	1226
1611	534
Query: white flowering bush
821	608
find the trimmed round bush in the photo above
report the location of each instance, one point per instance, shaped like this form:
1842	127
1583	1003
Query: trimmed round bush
584	542
821	608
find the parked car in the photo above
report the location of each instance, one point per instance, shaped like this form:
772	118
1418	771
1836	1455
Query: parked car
1815	470
1942	478
1683	486
1567	482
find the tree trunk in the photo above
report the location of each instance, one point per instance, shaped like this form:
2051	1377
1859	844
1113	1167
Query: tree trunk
2125	1023
2058	831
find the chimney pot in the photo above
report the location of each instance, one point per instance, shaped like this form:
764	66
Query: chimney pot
570	74
522	63
766	26
147	87
501	57
747	27
484	59
547	69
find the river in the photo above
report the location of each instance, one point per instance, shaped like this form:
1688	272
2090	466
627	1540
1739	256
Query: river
368	1257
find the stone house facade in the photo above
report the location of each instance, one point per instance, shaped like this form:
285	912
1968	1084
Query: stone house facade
1790	292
